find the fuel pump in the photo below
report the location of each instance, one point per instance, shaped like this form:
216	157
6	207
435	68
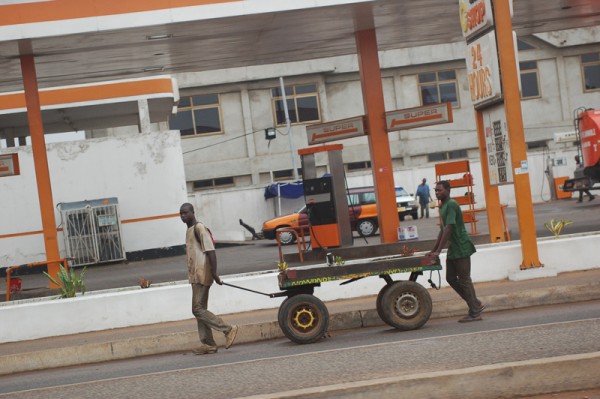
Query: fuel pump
326	200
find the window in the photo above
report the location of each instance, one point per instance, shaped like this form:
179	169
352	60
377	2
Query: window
438	87
302	102
540	144
197	115
590	65
456	154
442	156
286	174
359	165
213	183
530	86
437	156
523	45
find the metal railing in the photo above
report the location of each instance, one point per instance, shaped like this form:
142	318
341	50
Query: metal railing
62	261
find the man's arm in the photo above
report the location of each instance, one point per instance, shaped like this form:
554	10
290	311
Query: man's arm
212	258
442	240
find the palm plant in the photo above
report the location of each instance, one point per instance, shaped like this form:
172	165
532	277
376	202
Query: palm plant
68	282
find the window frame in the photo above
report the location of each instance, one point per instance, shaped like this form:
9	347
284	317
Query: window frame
583	65
213	183
191	108
535	71
294	97
437	83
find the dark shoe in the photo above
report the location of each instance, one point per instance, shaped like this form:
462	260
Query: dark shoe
469	318
591	197
578	200
230	336
205	350
482	308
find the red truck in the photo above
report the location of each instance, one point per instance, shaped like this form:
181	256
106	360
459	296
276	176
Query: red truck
587	128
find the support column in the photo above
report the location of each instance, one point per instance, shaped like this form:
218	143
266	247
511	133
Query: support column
514	119
492	197
144	124
249	130
40	159
379	145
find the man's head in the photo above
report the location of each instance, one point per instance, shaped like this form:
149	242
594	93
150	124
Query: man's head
186	213
577	158
424	180
442	190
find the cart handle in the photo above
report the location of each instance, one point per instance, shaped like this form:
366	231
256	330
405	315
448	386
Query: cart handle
248	289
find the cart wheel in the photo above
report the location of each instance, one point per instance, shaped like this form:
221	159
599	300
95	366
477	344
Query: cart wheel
379	303
303	318
406	305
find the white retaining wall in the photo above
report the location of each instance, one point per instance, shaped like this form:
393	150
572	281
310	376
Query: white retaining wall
28	319
145	172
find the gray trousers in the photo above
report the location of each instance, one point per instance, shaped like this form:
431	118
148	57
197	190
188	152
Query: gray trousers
458	275
424	209
205	319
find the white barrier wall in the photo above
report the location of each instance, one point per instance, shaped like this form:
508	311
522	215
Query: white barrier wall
145	172
27	319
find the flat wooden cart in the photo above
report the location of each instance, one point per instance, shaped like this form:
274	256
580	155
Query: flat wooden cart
405	305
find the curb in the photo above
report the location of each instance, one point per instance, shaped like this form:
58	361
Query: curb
184	341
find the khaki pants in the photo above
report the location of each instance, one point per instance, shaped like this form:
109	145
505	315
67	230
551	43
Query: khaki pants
205	319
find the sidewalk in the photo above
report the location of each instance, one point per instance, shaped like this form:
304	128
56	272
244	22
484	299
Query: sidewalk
262	324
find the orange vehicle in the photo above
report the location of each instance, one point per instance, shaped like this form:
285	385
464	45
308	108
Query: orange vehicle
362	209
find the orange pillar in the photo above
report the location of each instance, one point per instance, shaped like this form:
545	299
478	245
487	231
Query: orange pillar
514	120
492	198
40	159
379	145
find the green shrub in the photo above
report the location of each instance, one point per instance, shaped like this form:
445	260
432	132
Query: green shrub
68	282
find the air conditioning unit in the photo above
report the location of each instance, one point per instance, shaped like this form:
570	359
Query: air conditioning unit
565	137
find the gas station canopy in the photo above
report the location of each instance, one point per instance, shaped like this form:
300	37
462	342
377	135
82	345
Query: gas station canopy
83	41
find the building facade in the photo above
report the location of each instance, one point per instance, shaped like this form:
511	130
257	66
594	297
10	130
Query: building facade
223	114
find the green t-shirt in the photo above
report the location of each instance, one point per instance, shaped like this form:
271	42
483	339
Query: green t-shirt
460	244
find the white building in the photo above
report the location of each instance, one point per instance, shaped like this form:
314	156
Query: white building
223	114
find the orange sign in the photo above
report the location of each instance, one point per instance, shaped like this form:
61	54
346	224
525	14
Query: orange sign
9	165
426	115
475	16
336	130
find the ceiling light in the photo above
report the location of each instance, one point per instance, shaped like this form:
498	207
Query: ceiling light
159	37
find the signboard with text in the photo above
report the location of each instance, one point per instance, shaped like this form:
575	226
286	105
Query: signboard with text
336	130
475	16
9	165
483	70
497	145
426	115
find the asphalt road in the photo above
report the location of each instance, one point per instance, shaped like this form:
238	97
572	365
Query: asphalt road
354	355
263	255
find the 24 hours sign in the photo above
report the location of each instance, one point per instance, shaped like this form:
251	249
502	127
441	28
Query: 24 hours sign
483	70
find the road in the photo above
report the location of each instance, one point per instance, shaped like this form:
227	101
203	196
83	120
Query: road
263	255
348	356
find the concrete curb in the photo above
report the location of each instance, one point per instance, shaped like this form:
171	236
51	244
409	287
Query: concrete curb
183	341
503	380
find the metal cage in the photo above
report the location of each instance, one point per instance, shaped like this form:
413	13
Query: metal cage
92	231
